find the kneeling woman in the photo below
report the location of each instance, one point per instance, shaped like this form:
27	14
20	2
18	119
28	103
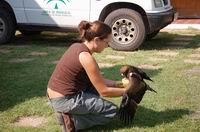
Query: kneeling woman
76	86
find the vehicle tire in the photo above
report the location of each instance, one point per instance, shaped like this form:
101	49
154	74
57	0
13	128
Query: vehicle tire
152	35
7	26
128	29
28	33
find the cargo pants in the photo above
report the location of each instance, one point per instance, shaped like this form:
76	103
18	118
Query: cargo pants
87	108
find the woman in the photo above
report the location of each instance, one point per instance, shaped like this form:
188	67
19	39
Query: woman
76	86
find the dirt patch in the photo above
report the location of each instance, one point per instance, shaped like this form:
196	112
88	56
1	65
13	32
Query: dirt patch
20	60
30	121
127	52
54	62
184	38
193	71
105	65
178	43
198	49
17	32
36	53
17	46
168	53
5	51
173	47
157	59
182	32
151	67
195	115
194	55
189	61
115	57
187	34
54	48
179	100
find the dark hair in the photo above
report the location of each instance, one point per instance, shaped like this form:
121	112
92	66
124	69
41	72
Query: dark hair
90	30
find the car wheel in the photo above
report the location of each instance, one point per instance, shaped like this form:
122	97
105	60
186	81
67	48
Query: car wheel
7	26
128	29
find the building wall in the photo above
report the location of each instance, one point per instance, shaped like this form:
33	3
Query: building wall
187	8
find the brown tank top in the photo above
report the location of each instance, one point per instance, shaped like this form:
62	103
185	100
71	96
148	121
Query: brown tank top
69	77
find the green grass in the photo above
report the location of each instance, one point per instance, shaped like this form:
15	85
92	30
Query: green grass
23	85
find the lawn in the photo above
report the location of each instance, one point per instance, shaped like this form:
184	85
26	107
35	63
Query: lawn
172	59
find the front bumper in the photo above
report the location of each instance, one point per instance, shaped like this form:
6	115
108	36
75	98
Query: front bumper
158	21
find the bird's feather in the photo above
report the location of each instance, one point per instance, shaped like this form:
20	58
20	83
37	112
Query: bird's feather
136	90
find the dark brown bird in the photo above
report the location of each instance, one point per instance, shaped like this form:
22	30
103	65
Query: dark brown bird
136	89
127	109
135	85
124	70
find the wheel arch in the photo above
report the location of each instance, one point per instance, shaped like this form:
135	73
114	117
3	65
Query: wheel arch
6	6
114	6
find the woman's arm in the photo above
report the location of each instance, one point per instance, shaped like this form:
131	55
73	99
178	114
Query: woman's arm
110	83
92	70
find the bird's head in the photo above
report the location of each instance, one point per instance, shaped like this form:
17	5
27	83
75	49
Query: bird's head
124	70
133	75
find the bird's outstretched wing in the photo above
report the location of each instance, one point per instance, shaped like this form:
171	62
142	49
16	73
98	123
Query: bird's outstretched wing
127	109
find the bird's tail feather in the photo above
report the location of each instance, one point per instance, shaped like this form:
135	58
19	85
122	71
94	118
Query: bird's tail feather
150	89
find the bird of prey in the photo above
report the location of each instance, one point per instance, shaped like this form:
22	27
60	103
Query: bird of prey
136	89
124	70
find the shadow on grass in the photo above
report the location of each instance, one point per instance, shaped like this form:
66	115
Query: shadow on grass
47	39
163	39
160	42
150	118
144	118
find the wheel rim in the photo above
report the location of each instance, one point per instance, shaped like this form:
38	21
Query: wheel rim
2	26
124	31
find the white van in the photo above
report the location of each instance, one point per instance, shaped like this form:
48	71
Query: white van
131	20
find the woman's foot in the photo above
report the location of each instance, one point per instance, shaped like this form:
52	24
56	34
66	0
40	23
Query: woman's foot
69	123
